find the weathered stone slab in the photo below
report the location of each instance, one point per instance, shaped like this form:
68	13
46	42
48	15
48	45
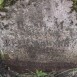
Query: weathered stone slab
39	31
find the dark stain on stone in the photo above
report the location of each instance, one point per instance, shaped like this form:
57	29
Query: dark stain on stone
61	1
56	22
71	23
31	1
32	53
56	4
62	43
20	21
6	42
76	16
62	24
4	26
37	49
27	66
76	24
66	42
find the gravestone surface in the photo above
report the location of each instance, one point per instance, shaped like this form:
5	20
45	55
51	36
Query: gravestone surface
40	31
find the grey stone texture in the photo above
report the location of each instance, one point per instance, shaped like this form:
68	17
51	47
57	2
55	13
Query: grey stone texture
39	31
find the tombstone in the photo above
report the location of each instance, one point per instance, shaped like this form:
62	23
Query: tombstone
39	34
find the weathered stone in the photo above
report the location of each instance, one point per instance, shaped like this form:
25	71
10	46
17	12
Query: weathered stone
39	31
68	73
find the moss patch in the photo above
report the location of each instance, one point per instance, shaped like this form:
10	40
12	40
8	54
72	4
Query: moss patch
74	6
5	3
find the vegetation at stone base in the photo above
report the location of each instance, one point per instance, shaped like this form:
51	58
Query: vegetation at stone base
1	3
4	3
40	74
74	6
32	74
67	73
